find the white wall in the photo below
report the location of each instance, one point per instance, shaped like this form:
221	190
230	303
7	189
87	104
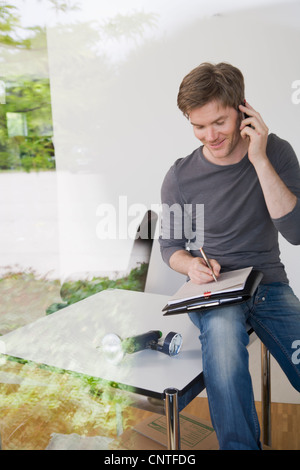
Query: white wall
118	130
116	125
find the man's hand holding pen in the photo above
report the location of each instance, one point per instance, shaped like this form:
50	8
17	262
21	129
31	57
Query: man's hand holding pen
199	271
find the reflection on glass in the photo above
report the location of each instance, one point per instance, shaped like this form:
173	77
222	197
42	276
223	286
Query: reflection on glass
26	129
59	64
26	125
16	124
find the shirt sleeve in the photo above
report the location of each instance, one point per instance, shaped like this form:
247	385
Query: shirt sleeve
289	225
287	167
172	237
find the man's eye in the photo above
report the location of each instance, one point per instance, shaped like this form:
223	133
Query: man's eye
220	123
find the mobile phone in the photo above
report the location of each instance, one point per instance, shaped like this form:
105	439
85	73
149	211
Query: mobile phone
244	115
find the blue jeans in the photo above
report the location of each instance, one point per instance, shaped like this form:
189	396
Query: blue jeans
274	314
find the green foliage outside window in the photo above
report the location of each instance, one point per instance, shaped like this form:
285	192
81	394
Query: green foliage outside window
73	291
26	126
25	101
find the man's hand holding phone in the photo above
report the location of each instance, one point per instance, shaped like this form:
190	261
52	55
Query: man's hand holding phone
253	128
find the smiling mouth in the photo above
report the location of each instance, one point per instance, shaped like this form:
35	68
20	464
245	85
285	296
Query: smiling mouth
217	145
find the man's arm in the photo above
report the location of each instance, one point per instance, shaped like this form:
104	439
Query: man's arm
173	249
279	199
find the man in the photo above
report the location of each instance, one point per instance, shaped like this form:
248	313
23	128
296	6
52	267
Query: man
249	183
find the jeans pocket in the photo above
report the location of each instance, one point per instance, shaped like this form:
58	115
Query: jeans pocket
277	292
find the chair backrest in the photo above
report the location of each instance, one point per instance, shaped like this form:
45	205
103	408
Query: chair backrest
161	279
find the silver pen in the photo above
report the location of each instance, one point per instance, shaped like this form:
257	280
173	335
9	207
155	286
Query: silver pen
208	263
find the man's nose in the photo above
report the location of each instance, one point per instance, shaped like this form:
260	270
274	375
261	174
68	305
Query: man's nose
211	134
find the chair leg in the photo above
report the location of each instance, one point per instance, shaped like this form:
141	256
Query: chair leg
172	417
266	395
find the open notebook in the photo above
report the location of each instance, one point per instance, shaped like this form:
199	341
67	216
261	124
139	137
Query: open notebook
231	287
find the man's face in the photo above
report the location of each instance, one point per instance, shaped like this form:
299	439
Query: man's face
217	127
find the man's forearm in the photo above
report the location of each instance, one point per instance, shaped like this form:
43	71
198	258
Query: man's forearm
279	199
180	261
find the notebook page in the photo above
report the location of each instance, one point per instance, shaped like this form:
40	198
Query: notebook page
227	282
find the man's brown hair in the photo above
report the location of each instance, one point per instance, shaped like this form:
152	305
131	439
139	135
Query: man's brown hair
209	82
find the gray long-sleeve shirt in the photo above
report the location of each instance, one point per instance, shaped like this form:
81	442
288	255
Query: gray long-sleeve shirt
238	230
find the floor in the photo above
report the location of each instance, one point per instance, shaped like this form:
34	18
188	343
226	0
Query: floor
285	422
